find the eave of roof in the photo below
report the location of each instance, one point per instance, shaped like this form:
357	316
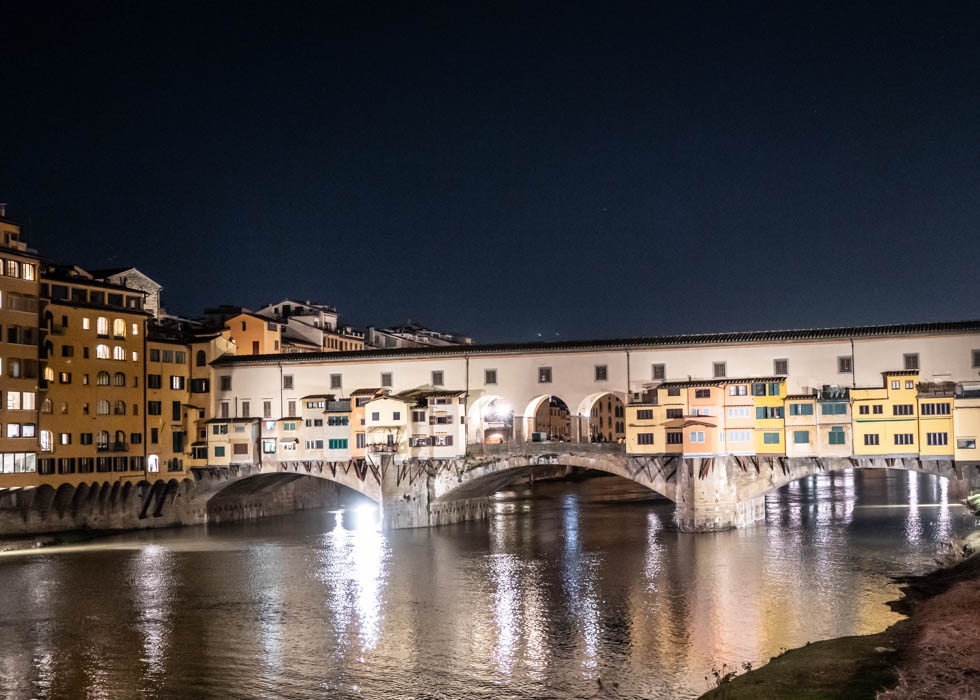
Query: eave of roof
736	337
720	381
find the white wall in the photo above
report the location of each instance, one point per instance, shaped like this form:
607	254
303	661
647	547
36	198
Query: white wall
811	365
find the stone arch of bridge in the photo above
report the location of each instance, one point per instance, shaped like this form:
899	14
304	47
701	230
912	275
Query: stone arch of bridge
485	479
217	483
756	477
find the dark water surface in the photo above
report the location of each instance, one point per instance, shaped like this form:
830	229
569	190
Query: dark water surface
572	590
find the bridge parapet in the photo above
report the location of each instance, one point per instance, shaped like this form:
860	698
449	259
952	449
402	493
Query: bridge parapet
513	449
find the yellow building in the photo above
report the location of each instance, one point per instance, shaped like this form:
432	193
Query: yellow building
254	335
885	419
19	358
607	419
768	396
936	434
655	426
203	349
170	416
93	370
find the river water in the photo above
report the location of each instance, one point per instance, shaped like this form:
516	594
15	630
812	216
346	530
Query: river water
572	590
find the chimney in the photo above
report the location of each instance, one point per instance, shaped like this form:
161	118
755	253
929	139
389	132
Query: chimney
3	208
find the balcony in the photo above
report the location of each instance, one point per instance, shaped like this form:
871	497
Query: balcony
113	447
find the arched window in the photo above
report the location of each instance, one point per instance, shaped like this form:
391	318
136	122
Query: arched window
102	407
47	406
119	328
102	352
46	441
119	379
120	437
153	463
118	353
119	408
102	440
48	374
202	358
64	407
102	378
102	325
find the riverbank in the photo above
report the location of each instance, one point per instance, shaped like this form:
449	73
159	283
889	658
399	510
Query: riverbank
933	653
16	544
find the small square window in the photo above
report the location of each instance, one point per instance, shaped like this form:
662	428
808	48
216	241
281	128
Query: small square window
544	375
601	373
658	371
489	376
780	367
437	378
287	381
386	379
844	364
719	370
976	359
335	381
911	360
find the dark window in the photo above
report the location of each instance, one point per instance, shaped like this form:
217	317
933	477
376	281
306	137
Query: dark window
702	393
844	364
386	379
903	409
644	438
225	382
718	369
489	376
675	413
153	381
675	437
287	381
601	373
201	358
335	381
659	371
911	360
544	375
437	378
153	408
154	435
175	410
780	367
878	408
871	439
644	414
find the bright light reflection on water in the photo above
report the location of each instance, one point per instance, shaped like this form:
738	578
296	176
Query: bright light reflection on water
570	590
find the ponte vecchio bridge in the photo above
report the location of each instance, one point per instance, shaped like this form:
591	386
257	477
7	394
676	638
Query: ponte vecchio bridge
503	388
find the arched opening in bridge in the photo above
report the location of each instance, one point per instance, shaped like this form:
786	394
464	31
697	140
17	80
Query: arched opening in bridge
491	421
281	493
604	416
919	508
547	419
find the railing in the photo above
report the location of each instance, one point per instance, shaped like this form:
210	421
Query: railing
537	448
382	448
112	447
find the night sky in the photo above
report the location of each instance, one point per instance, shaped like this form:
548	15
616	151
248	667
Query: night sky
507	171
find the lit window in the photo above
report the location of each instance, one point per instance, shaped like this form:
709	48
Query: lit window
85	323
118	353
119	328
136	329
102	326
102	352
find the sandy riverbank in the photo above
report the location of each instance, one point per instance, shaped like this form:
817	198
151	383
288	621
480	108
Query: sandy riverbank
933	653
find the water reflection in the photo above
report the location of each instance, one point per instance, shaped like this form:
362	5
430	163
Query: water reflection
568	586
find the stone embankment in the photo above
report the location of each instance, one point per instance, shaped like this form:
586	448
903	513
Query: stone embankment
933	653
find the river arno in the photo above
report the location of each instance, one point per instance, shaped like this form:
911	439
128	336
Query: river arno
572	590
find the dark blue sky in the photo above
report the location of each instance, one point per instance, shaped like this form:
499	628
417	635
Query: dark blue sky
504	171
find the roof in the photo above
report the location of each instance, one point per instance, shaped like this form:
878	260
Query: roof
318	396
232	420
55	276
364	392
801	396
735	337
900	373
718	382
109	271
